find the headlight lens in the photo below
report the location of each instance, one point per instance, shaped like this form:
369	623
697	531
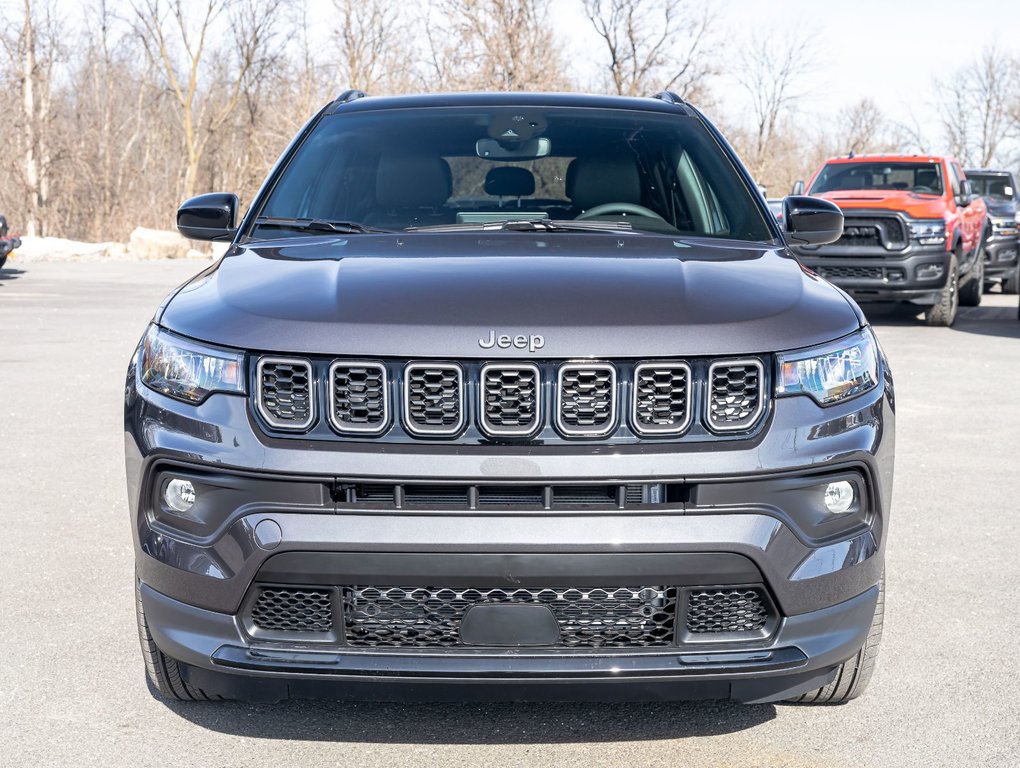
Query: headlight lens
928	231
833	372
1002	226
186	370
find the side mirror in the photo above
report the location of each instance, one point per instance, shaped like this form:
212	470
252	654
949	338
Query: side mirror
798	187
811	220
208	217
966	196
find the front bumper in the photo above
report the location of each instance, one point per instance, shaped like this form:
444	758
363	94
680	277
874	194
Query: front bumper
879	275
733	522
1001	256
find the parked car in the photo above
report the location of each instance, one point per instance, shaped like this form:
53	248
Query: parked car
509	395
1002	198
776	206
8	242
914	231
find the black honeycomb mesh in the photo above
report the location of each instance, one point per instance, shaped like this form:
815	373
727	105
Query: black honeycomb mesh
726	610
735	395
285	609
359	397
420	617
661	398
286	392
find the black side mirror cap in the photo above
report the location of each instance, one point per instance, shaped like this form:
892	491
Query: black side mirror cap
811	220
209	217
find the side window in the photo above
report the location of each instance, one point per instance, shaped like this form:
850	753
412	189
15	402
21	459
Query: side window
954	178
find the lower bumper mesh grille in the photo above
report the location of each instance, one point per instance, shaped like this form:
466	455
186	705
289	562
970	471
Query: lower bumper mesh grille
722	611
619	617
293	610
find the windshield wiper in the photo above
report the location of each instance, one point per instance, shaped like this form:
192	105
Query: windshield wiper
317	225
529	225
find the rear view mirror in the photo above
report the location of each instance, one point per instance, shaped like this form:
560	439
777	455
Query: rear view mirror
811	220
491	149
208	217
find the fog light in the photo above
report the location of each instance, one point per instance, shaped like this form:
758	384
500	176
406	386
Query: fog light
929	272
839	497
180	495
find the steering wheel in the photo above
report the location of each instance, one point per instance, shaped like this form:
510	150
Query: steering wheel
607	209
923	189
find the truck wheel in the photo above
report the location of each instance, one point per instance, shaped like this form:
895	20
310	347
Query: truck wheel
855	673
1010	285
3	260
972	290
943	312
164	673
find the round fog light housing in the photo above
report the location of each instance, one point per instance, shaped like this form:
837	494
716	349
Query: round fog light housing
179	495
839	497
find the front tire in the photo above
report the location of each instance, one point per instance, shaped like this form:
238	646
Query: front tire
1010	285
973	289
943	312
163	672
855	673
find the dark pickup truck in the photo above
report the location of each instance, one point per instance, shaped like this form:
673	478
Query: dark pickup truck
1002	198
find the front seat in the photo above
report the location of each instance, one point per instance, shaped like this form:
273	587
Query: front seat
411	190
927	178
597	180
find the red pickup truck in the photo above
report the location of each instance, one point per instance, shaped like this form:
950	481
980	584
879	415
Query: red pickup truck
913	231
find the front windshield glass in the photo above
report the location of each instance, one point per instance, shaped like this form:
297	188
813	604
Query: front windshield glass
923	178
399	169
994	185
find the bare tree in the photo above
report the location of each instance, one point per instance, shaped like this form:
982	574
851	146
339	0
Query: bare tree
770	69
978	107
372	37
178	45
654	45
862	127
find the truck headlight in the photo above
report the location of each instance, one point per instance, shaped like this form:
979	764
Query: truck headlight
186	370
928	231
1003	226
832	372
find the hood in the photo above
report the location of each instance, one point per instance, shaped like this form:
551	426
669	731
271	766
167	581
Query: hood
913	204
586	296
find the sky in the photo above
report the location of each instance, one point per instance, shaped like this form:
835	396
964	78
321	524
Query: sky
888	50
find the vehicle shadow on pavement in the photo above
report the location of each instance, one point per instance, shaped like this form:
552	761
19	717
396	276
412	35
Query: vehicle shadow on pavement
477	724
983	320
10	274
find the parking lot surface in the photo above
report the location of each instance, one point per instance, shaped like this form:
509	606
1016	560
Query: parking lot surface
72	687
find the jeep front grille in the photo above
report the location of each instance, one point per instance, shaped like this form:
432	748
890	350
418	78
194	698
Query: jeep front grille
510	399
662	398
586	399
429	617
736	395
433	399
284	394
358	397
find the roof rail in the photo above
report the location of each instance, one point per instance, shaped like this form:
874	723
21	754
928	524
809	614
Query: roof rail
350	95
670	97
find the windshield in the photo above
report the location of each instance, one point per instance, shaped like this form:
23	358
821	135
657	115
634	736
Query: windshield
924	178
994	185
404	169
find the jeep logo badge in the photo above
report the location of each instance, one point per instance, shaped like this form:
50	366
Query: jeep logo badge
506	341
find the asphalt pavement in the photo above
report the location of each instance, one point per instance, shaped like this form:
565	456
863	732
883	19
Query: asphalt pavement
72	687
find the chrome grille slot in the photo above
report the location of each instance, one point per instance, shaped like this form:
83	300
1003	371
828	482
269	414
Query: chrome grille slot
283	394
586	399
429	617
433	399
510	402
358	397
662	398
736	394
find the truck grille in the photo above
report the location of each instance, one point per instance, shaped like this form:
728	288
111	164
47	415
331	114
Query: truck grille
420	617
358	397
433	399
586	399
285	392
885	232
510	399
547	400
736	395
662	398
851	273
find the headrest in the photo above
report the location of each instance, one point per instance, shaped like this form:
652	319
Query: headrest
926	178
509	181
405	180
593	181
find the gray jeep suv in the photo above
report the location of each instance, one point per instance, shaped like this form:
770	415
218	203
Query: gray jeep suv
514	396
